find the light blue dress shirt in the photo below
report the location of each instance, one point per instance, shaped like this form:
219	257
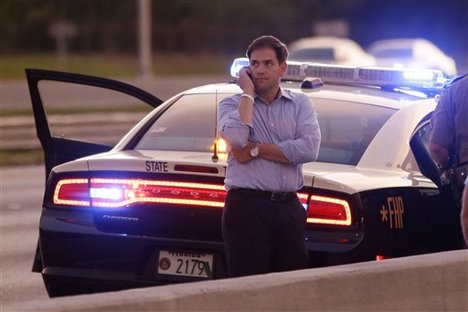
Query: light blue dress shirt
290	122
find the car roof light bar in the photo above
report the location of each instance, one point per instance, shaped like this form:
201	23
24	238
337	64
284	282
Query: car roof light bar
375	76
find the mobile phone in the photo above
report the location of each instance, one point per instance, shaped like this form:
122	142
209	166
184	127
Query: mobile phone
249	73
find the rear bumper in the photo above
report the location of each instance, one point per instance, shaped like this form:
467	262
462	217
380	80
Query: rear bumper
77	258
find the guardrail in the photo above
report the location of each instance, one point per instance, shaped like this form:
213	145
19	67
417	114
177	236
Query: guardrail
435	282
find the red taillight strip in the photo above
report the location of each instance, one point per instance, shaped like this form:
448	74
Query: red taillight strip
158	183
72	192
96	192
343	220
169	192
303	198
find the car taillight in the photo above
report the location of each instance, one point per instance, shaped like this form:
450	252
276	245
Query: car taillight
113	193
72	192
328	210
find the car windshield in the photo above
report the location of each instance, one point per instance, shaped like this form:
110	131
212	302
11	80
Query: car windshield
316	54
189	125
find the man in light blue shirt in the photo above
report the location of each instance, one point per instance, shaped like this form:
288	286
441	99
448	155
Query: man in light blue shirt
271	132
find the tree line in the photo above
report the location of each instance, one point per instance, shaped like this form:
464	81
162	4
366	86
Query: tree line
224	26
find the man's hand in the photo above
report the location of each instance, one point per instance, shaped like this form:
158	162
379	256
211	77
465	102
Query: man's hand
245	81
242	155
440	154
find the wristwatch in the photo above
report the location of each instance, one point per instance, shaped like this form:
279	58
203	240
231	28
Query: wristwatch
254	151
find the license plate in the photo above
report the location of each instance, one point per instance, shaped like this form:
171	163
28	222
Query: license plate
185	264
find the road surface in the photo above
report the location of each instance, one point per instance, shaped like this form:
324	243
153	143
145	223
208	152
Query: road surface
21	198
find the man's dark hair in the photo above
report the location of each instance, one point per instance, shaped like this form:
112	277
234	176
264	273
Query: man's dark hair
274	43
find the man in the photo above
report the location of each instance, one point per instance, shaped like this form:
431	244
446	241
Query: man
449	139
271	132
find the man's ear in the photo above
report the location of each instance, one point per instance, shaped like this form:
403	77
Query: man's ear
283	68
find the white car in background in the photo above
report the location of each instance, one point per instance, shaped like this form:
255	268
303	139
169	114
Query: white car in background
329	50
412	53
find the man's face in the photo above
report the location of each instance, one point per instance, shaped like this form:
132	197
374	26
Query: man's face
265	69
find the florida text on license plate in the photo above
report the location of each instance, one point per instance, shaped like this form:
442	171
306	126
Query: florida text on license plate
185	263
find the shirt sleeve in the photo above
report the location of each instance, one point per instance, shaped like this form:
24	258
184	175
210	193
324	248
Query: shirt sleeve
230	126
442	122
304	147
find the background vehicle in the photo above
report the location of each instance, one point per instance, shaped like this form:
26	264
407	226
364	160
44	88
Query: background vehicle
329	50
147	211
412	53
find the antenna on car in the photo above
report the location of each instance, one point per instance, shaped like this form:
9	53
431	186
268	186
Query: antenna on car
215	157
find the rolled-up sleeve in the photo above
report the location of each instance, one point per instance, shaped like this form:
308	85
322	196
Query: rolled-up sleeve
442	123
230	126
306	143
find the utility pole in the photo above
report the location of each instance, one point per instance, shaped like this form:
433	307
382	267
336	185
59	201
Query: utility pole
62	31
144	39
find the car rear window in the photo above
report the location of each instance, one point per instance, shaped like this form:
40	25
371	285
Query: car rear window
348	128
190	125
187	125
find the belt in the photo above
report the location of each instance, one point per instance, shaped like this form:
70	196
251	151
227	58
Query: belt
273	196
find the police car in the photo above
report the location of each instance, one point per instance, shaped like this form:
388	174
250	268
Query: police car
147	211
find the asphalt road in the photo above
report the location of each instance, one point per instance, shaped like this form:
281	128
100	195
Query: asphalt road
21	198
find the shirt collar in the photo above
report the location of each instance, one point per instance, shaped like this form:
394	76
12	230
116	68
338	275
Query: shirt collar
282	93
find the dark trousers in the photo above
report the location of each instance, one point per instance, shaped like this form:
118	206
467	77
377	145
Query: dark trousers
262	235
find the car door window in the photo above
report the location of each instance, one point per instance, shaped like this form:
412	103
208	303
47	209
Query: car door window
420	148
91	114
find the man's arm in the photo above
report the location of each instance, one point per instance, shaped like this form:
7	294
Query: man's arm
247	100
265	150
235	114
303	148
441	137
305	145
230	126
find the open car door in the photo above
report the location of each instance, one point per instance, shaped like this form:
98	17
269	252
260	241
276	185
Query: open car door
81	106
69	95
448	208
420	146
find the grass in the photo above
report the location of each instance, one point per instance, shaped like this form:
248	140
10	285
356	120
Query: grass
114	65
21	157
